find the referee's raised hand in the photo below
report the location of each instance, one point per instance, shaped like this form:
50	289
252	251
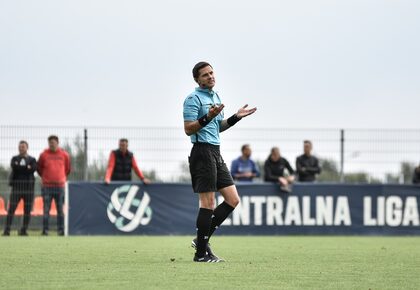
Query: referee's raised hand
243	112
214	111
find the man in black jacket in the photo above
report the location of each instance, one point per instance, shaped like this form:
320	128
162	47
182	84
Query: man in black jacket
416	175
307	165
22	182
120	164
274	168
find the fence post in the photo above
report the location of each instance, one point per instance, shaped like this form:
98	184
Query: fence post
342	155
85	171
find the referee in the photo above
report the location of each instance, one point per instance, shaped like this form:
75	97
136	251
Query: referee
203	121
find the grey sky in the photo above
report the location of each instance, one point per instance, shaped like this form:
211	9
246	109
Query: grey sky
128	63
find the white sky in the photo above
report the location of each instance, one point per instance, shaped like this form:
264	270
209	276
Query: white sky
311	64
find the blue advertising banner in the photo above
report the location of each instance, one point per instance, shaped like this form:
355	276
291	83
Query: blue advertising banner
171	209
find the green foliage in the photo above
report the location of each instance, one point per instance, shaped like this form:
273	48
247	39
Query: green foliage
405	175
97	170
407	171
329	171
151	174
77	157
358	177
185	175
4	173
260	165
4	180
392	178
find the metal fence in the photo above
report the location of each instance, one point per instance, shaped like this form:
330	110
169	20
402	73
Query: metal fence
351	155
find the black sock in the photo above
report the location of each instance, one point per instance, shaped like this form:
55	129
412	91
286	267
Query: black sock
203	227
221	212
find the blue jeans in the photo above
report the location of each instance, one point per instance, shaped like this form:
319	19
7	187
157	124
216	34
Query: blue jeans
48	194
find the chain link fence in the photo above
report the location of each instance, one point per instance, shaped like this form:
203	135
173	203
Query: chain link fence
352	155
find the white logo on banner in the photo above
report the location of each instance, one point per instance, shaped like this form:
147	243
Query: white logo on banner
126	211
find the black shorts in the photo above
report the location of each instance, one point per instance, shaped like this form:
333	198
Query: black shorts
209	172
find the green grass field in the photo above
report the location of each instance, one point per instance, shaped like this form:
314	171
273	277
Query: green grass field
252	263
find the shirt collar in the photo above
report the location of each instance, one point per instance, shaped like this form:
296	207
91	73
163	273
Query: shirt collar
205	90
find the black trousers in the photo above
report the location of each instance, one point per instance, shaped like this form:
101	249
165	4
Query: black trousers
28	198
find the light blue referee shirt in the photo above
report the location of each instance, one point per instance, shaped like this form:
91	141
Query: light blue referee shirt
196	105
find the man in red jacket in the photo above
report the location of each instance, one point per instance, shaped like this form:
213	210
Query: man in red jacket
53	167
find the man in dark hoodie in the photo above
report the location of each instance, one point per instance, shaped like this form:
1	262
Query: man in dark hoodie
274	168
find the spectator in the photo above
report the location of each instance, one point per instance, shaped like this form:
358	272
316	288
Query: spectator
53	167
416	175
22	182
307	165
121	162
243	168
274	170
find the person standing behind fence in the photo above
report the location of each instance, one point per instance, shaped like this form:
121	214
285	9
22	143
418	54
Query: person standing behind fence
121	162
22	181
307	165
416	175
243	168
53	166
274	170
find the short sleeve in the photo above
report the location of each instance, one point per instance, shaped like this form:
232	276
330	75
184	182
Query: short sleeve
191	108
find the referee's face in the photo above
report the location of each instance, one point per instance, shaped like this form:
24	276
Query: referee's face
206	78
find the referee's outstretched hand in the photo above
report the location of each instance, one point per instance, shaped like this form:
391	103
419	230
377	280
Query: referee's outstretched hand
243	112
215	110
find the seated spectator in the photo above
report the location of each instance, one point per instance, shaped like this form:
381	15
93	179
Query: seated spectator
274	170
121	162
307	165
243	168
416	175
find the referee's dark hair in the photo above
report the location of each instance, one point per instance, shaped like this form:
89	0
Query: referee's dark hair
197	67
124	140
